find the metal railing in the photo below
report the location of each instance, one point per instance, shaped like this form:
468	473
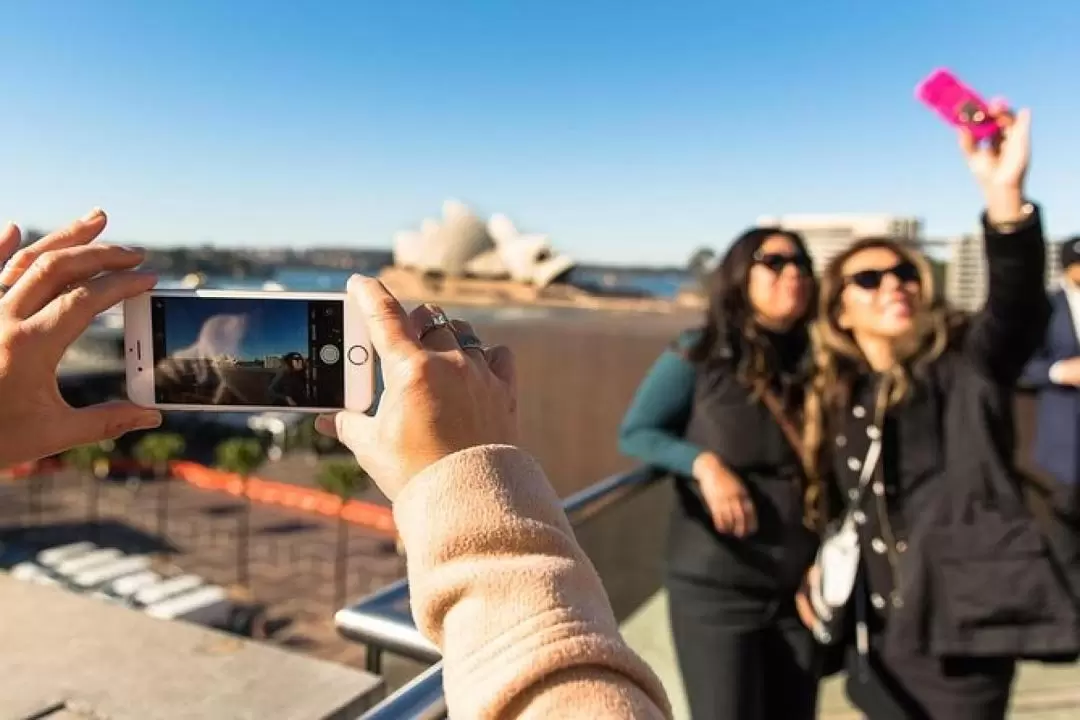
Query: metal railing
383	621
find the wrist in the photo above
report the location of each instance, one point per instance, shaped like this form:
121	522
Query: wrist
1004	203
707	467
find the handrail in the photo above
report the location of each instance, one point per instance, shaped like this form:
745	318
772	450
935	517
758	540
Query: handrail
421	698
383	622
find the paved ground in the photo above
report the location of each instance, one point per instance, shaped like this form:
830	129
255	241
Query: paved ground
1043	692
292	554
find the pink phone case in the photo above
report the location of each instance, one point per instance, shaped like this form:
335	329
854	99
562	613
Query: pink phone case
957	104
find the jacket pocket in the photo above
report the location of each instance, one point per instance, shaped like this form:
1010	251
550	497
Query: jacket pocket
997	573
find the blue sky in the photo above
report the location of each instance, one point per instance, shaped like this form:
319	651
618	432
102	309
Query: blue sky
274	327
630	131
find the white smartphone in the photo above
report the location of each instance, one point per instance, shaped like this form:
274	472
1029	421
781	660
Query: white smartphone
239	351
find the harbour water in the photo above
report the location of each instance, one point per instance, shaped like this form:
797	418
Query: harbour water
660	284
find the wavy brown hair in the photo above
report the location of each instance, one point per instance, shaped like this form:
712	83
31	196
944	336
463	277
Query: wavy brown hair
838	362
730	331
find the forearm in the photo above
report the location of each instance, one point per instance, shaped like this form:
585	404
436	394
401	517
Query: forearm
653	430
499	583
660	449
1011	326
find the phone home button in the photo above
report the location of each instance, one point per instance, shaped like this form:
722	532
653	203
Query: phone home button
358	355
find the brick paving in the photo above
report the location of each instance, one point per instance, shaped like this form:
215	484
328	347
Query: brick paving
292	554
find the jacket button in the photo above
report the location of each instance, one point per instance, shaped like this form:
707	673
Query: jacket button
877	601
901	546
859	517
897	601
853	494
872	432
879	545
858	411
853	463
841	441
879	487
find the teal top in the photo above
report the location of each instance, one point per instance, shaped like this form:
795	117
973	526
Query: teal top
652	429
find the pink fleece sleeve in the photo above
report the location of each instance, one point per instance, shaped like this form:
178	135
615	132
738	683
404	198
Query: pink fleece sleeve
499	583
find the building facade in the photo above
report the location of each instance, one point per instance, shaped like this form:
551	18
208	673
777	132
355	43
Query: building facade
966	278
828	235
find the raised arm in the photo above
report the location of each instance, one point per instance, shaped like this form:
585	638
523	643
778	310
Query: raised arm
499	583
1009	329
652	429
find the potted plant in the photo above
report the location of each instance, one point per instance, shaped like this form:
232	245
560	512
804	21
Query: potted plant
241	456
345	479
156	451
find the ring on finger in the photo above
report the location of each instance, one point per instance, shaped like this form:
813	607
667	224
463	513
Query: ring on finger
469	341
438	320
4	287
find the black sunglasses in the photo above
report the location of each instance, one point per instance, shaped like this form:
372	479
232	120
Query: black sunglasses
776	262
904	272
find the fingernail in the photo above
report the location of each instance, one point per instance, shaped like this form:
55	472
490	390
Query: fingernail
325	425
93	215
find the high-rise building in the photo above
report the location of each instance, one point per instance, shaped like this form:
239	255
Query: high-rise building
828	235
965	277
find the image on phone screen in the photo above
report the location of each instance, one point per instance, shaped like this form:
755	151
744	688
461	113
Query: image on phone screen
248	351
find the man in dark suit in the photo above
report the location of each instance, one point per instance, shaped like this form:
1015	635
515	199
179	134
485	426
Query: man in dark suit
1055	375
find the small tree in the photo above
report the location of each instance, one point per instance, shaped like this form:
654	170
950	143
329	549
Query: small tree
344	479
241	456
156	451
701	264
93	462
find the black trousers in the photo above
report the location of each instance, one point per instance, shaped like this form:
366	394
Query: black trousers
743	654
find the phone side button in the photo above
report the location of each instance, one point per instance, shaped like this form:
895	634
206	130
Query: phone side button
358	355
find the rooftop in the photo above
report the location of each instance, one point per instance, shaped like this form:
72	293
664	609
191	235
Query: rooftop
66	655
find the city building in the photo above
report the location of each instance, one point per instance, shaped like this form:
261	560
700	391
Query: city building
827	235
965	276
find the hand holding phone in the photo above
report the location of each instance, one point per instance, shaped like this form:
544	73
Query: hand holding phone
957	104
207	350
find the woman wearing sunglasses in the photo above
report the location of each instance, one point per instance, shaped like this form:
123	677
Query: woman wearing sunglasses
909	435
718	411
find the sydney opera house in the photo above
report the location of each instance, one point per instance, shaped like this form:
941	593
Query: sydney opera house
460	259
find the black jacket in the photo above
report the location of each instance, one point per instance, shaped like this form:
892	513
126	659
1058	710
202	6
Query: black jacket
975	576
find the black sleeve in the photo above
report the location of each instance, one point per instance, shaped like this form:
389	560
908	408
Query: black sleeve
1009	329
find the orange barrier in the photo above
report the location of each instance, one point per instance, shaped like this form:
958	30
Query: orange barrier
269	492
26	469
21	470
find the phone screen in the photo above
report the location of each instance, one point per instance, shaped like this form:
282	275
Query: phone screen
248	351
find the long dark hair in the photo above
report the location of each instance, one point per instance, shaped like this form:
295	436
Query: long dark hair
730	331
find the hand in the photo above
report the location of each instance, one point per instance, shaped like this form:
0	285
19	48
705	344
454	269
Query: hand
729	503
438	398
802	599
1000	166
57	286
1067	372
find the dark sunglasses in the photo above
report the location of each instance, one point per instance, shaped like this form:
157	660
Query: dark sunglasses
776	262
904	272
